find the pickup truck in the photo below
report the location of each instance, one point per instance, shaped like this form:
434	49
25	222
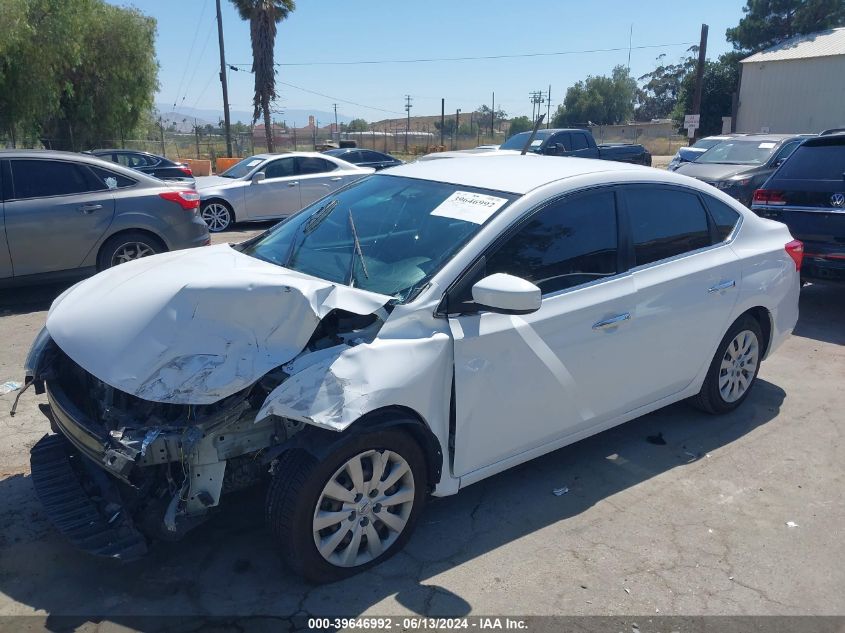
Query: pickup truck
578	143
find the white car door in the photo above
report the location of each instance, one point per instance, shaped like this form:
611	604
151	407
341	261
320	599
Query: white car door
277	195
318	177
524	381
686	279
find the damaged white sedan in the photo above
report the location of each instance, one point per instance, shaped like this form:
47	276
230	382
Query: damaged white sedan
410	334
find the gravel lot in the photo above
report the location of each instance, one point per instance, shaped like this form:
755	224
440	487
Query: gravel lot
697	525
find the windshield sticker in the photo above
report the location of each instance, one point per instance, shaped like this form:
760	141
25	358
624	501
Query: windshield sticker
470	207
766	145
255	162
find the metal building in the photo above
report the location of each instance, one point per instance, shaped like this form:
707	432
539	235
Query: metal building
796	86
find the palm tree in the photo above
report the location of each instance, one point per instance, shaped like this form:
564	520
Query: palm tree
263	16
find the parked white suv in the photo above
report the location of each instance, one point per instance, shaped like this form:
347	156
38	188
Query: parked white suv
410	334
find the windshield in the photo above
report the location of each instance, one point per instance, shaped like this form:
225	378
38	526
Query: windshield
706	143
242	168
739	152
518	141
386	234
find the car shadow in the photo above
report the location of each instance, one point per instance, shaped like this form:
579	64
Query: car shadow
31	298
229	568
822	310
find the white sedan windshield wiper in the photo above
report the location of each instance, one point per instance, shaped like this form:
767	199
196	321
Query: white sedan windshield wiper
357	251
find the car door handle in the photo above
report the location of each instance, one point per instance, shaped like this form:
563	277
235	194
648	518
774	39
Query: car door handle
612	321
722	286
336	178
89	208
293	184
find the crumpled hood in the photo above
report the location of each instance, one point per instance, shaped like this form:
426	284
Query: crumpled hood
713	171
194	326
206	182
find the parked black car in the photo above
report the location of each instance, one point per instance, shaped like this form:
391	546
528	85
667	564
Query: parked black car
807	193
742	164
364	157
150	164
578	143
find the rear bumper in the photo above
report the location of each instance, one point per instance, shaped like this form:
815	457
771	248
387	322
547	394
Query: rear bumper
823	262
189	234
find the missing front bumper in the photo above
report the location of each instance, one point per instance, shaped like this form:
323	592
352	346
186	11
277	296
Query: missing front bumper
83	506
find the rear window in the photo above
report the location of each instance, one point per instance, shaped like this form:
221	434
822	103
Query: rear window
809	162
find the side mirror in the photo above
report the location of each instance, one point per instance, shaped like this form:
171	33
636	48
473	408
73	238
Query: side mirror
506	294
258	177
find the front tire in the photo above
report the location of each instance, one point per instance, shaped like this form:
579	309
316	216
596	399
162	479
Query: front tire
217	215
337	517
734	368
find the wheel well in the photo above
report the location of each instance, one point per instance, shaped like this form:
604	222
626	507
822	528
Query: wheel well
146	232
764	318
224	202
320	442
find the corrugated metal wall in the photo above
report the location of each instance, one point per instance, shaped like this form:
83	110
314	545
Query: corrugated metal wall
803	95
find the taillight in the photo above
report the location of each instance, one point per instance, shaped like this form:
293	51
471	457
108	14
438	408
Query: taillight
186	170
795	249
188	200
767	196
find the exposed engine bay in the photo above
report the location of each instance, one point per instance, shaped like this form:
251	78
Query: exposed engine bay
170	464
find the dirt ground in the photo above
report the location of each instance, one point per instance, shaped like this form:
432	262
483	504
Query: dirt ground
695	526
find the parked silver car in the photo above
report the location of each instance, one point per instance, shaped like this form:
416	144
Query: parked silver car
68	215
271	186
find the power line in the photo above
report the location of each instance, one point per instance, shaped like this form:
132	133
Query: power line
476	58
188	60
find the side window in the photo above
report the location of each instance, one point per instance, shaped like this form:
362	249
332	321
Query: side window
42	178
568	243
279	168
111	180
664	223
723	216
579	141
313	165
373	157
564	139
351	157
786	151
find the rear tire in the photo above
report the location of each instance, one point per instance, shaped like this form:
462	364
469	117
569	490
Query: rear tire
127	246
372	519
217	215
734	368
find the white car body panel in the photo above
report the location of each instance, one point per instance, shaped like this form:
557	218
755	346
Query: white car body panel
223	308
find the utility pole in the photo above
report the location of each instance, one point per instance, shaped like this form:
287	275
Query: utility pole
493	117
457	125
161	130
442	119
549	107
537	99
408	107
197	134
336	130
226	121
699	77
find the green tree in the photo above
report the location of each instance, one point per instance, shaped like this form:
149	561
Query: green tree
769	22
263	16
482	117
717	88
601	100
520	124
357	125
658	94
74	73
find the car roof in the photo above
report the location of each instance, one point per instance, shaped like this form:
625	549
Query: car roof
770	138
265	155
78	157
509	173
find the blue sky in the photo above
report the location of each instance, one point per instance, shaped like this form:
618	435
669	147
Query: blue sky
336	30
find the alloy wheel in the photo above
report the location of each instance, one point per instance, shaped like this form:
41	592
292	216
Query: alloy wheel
363	508
131	250
216	216
739	365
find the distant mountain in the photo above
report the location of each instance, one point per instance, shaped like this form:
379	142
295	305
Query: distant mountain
203	116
